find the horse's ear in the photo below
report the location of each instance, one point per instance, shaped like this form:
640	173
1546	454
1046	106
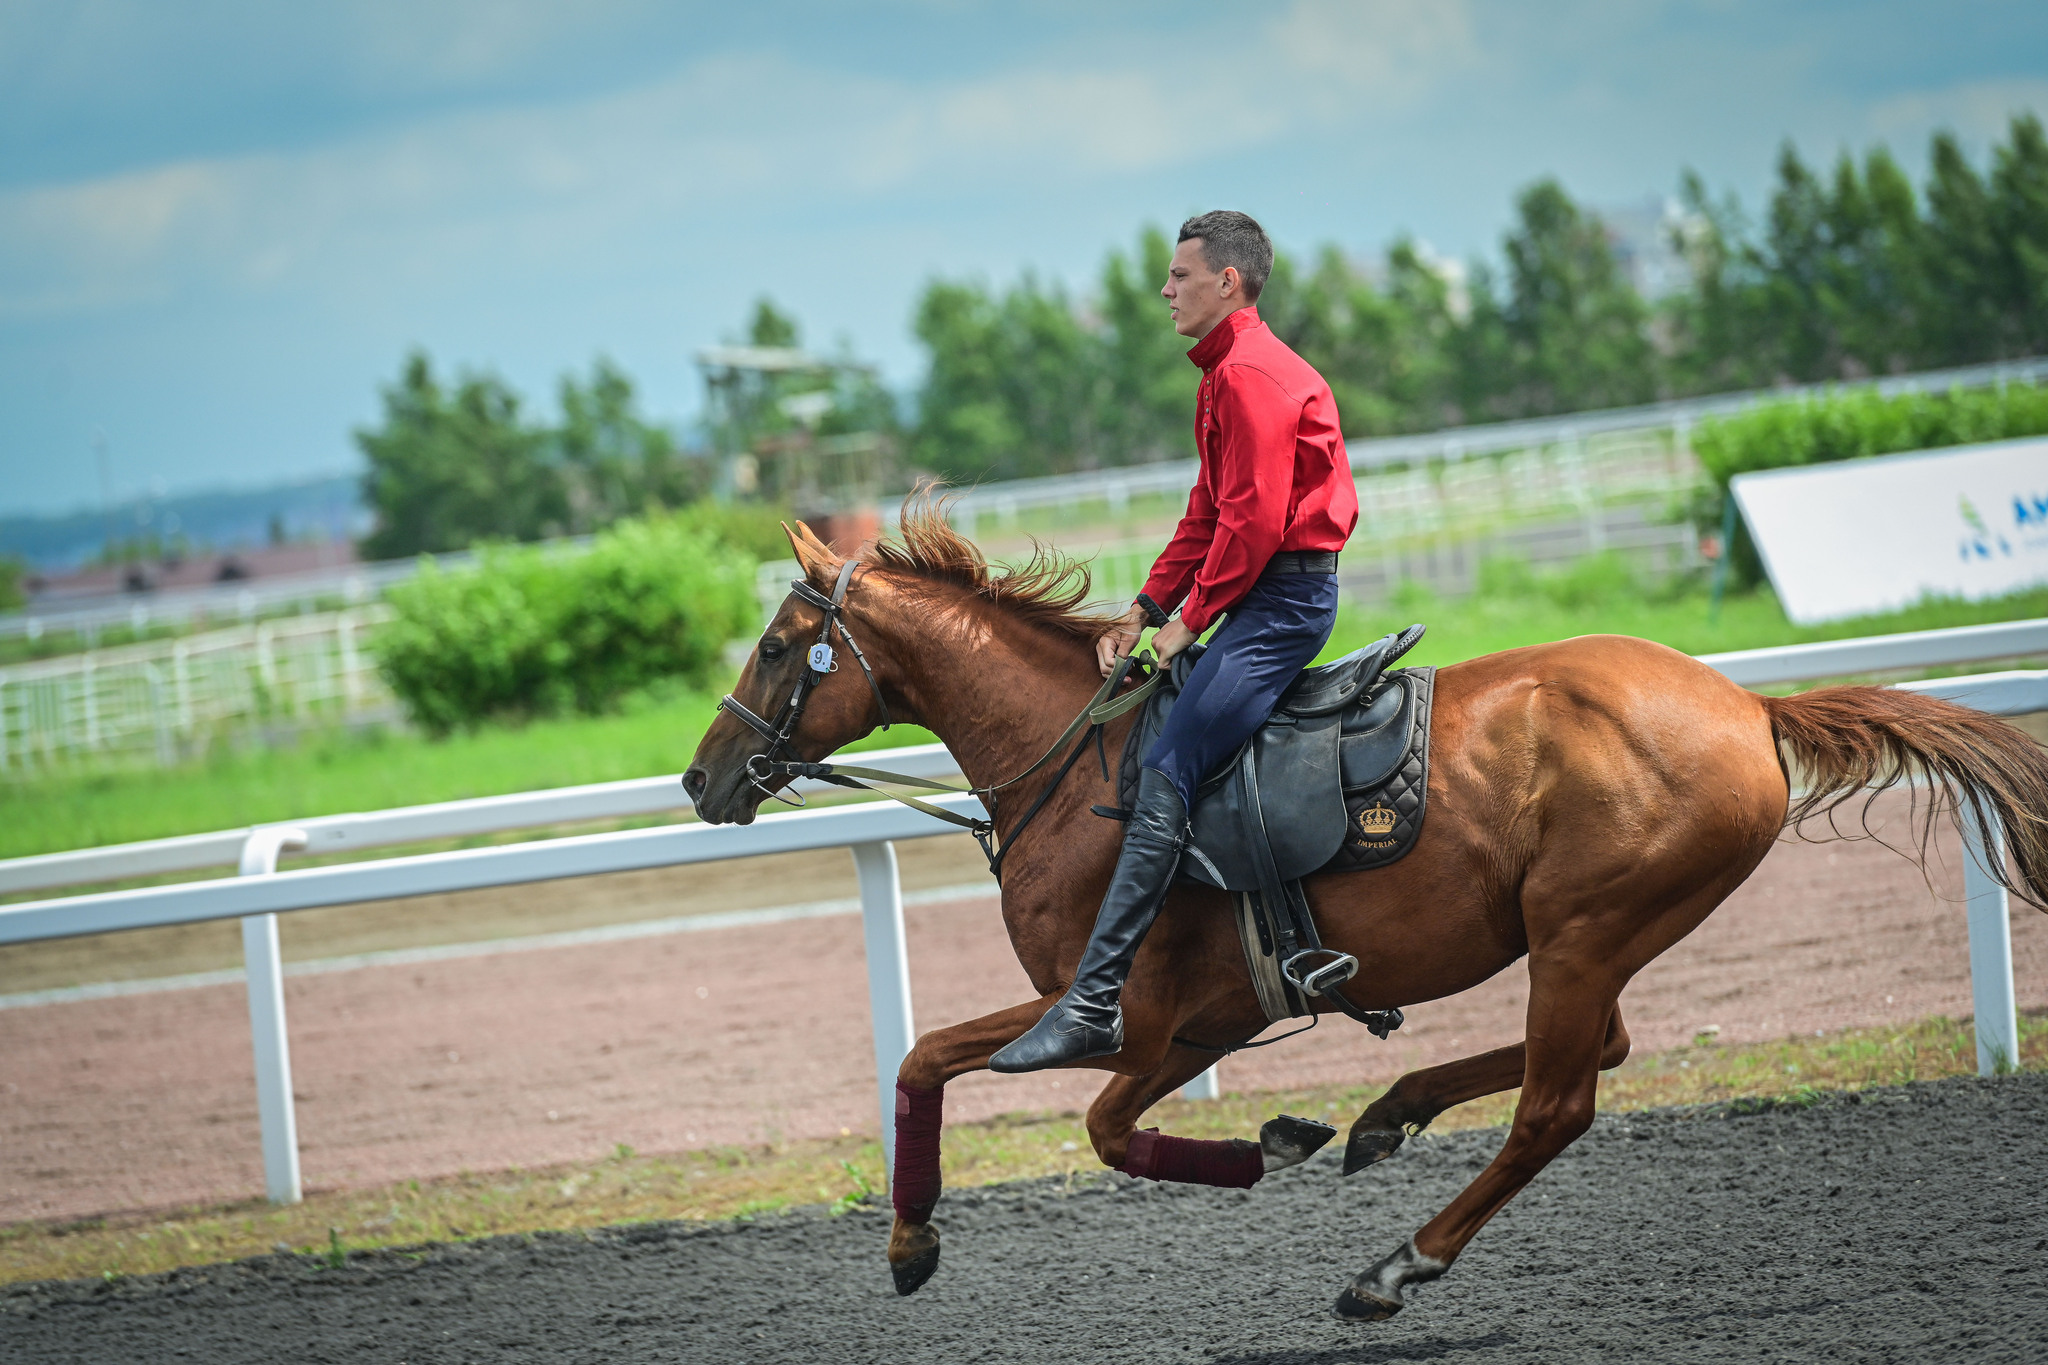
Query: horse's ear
821	566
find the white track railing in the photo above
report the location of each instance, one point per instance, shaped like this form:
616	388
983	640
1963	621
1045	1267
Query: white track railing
261	893
1569	435
1567	478
867	829
1885	654
328	834
168	696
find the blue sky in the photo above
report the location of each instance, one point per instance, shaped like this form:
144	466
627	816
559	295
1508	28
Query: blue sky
222	224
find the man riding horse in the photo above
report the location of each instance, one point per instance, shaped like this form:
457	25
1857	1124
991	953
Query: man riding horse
1273	504
1590	801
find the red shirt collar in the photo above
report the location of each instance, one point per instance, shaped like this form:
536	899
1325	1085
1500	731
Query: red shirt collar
1210	350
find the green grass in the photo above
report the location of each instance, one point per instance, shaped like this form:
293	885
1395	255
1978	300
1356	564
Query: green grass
334	772
1599	596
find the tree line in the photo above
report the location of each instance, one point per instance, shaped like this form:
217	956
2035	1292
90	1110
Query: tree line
1849	272
459	460
453	463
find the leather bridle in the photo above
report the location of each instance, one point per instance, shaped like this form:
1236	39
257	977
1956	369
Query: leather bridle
780	759
820	661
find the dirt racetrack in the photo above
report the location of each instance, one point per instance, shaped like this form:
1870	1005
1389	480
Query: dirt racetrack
1898	1225
688	1040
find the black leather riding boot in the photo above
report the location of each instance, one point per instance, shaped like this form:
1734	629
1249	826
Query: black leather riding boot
1087	1021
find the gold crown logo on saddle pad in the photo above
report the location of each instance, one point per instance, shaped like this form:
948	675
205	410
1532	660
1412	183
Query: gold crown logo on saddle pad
1376	821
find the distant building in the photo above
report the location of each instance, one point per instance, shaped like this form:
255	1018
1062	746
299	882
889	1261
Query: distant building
1642	236
53	591
190	524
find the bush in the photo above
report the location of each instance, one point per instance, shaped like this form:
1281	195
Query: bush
753	528
541	631
1848	426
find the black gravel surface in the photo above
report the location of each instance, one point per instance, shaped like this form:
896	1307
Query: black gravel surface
1899	1225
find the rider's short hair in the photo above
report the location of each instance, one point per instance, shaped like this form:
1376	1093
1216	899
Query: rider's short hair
1230	238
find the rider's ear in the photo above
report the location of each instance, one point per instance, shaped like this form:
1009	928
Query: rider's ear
821	566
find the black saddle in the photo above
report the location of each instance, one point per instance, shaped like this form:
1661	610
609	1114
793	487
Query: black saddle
1280	808
1334	781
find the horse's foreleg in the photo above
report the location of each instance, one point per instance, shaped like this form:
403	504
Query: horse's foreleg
914	1185
1152	1155
1113	1130
1414	1101
1569	1010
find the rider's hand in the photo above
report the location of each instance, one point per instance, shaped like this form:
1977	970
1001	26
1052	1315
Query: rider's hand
1173	637
1119	640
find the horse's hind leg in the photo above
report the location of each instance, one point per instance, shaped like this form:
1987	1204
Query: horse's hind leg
1235	1163
1570	1004
1414	1101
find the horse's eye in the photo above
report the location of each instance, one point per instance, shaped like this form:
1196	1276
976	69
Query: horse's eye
772	649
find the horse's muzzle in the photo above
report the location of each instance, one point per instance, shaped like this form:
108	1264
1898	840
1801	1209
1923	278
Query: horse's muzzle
719	801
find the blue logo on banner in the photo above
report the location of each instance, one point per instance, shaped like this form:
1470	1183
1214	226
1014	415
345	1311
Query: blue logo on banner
1979	539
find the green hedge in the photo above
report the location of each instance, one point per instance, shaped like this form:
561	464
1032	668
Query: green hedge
532	630
1846	426
752	528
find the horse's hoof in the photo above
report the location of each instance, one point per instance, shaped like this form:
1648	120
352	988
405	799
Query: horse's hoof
1370	1146
913	1256
1375	1296
911	1275
1288	1141
1353	1306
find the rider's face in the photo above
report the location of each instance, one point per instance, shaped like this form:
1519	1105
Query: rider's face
1200	297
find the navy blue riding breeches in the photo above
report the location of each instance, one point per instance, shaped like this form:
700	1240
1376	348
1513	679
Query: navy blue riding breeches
1279	627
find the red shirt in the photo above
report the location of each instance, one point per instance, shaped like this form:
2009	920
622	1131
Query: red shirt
1274	473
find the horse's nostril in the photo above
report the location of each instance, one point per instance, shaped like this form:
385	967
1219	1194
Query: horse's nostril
694	783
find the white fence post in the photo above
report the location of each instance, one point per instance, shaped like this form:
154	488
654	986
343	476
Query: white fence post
266	1023
1202	1087
881	922
1998	1028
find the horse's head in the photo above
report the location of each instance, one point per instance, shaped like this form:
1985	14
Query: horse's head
835	709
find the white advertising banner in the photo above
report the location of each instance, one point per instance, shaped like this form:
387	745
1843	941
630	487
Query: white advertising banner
1872	535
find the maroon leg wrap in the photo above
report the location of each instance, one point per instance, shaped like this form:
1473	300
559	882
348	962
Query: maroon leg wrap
914	1189
1235	1165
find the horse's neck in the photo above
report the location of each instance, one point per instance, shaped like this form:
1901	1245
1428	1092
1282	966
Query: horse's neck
997	690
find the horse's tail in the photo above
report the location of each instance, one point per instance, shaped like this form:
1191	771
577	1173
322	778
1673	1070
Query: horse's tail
1846	739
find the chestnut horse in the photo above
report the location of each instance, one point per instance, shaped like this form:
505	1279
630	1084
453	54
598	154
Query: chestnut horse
1590	802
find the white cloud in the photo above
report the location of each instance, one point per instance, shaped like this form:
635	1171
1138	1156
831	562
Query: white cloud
1392	50
729	133
1979	112
407	44
104	243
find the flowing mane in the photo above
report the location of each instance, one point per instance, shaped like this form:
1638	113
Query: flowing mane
1049	589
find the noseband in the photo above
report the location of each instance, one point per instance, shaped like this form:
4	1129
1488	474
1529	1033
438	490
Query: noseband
819	662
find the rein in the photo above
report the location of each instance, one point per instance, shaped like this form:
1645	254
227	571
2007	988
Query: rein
1104	707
